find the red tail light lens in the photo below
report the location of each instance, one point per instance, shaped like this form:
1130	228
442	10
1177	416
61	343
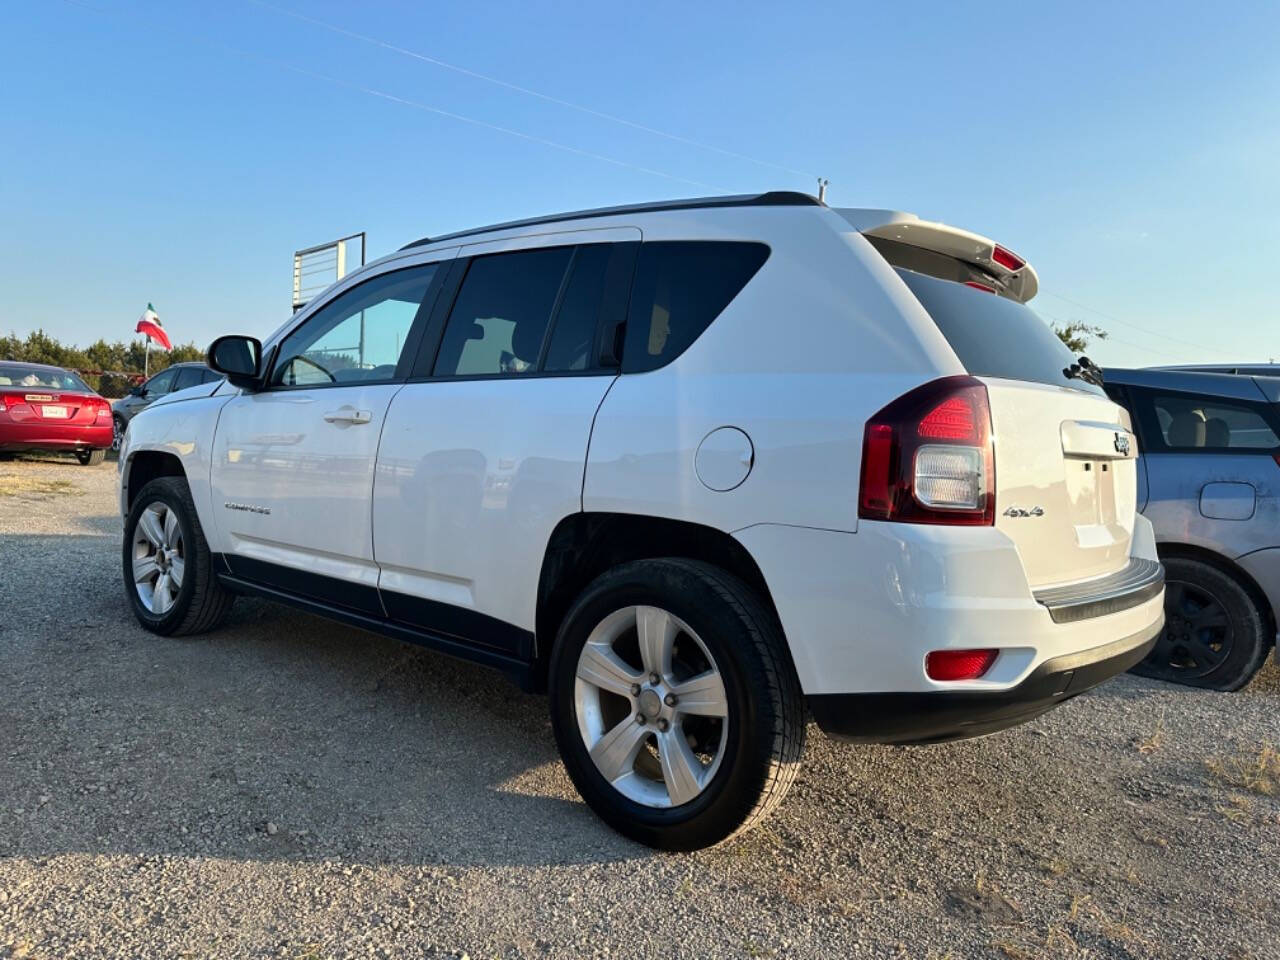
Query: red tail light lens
928	457
1007	258
979	286
951	665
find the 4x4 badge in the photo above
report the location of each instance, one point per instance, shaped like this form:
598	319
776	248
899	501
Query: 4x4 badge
1024	512
1122	444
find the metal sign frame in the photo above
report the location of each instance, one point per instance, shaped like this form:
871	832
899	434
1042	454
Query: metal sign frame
315	268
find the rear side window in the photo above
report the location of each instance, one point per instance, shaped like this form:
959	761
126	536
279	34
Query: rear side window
1188	423
500	316
994	336
680	288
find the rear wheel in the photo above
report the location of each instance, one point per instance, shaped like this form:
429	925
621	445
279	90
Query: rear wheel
1214	634
91	458
675	704
118	427
168	570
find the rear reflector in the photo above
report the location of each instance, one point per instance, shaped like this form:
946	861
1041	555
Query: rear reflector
951	665
979	286
1007	259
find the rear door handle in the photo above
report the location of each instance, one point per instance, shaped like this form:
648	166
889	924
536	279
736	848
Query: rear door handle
348	415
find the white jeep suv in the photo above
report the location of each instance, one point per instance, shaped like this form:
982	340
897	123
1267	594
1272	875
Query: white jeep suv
698	469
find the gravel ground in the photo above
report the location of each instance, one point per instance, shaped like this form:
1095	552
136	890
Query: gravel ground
288	787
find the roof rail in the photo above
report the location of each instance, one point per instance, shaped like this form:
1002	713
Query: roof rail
774	198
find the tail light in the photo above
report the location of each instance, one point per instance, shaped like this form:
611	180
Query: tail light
985	288
928	457
104	410
951	665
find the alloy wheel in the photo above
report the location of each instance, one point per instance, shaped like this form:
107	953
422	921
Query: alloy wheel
651	706
159	561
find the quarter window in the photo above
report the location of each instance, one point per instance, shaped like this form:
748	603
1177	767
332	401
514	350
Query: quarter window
500	316
680	288
1186	423
359	337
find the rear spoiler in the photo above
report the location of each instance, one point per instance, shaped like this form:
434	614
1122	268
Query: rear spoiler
1012	275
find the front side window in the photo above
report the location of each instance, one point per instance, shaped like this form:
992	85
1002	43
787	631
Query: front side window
1191	423
358	337
187	377
500	316
161	383
680	288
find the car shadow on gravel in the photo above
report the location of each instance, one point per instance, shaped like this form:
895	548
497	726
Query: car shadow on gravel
280	736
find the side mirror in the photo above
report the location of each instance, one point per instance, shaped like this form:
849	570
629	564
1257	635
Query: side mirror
138	391
239	359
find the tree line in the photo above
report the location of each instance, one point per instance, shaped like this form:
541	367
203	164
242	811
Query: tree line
118	361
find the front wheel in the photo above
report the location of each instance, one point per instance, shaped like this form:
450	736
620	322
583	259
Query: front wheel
675	704
1214	634
91	458
168	571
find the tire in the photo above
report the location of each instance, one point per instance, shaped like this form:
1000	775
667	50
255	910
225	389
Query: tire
753	751
118	427
1215	635
91	458
199	602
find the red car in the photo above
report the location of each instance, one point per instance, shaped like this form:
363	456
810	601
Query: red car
48	408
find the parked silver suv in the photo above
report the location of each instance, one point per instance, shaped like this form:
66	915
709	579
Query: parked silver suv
1209	482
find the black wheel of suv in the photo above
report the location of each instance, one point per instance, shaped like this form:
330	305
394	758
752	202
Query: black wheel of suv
118	427
91	458
168	570
1214	634
675	704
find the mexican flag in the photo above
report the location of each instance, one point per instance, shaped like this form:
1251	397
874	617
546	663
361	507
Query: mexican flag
150	326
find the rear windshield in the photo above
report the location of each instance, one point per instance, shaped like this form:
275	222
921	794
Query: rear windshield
17	375
994	336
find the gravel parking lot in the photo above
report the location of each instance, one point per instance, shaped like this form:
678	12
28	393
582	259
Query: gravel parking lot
288	787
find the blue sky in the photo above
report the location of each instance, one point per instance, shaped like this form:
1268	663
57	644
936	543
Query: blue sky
168	153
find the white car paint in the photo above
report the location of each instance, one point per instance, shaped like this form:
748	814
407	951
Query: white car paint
450	491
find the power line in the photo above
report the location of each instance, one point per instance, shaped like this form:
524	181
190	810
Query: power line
613	118
405	101
1126	323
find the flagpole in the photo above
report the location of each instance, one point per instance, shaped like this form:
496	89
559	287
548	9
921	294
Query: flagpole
146	357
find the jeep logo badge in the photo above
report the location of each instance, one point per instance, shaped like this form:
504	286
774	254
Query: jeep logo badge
1122	444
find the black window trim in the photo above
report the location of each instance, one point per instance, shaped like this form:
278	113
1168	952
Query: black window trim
412	340
1142	408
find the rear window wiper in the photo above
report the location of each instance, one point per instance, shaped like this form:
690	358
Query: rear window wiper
1084	369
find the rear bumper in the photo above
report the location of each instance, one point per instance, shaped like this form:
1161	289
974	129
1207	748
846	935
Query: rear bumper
54	436
904	718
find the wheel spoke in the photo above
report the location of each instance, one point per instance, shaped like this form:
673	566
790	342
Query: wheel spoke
171	529
144	568
160	597
1209	617
600	666
703	695
656	630
681	770
615	753
151	527
176	569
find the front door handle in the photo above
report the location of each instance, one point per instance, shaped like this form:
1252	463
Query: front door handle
348	415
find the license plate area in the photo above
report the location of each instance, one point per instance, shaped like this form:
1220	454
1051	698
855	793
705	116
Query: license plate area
55	412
